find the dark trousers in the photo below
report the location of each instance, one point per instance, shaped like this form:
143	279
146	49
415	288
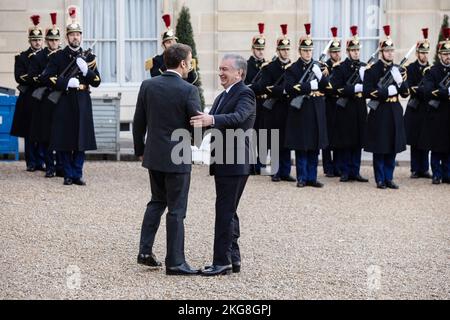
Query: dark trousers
34	154
440	165
72	162
419	160
284	165
226	231
349	162
330	161
306	165
53	161
169	190
383	166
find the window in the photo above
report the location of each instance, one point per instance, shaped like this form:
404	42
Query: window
126	34
343	14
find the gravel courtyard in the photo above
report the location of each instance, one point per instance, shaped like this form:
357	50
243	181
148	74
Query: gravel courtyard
346	241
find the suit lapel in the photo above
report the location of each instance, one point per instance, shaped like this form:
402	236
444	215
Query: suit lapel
224	103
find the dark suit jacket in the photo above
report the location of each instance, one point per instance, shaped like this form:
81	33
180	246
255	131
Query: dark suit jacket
237	111
165	103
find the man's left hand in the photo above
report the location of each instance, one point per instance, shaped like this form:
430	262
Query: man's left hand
202	120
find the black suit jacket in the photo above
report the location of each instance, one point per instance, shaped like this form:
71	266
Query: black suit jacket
165	103
237	111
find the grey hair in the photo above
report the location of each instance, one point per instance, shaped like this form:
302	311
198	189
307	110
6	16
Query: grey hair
239	63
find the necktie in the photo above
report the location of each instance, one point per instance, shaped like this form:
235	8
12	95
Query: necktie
219	105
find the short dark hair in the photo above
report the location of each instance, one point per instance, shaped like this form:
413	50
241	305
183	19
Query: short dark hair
175	54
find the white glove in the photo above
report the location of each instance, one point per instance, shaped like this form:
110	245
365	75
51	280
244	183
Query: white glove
317	72
392	90
397	76
314	85
73	83
358	88
361	72
83	66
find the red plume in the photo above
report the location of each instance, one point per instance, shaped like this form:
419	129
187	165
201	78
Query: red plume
166	19
53	17
284	29
73	12
35	19
387	30
425	33
308	28
334	31
446	33
261	28
354	30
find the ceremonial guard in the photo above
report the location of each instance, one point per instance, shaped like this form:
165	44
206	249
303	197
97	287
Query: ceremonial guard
436	131
24	107
254	73
385	128
349	125
156	64
330	156
71	72
271	84
306	129
417	108
43	108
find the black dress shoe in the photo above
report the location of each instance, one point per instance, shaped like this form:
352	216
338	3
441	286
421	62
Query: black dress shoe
148	260
426	175
68	182
79	182
436	180
31	169
359	178
216	270
49	174
415	175
236	267
276	179
314	184
391	185
344	178
330	175
381	185
288	179
182	270
446	180
301	184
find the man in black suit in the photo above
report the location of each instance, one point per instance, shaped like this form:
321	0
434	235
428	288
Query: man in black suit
165	104
233	111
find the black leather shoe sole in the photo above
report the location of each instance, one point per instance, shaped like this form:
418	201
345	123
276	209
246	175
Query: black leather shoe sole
236	268
181	273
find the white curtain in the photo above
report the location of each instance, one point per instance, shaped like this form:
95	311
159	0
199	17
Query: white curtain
343	14
99	23
140	37
365	14
325	14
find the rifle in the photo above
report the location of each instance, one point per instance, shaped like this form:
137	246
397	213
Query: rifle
297	102
388	79
444	84
414	102
258	75
356	78
269	103
38	94
22	88
69	72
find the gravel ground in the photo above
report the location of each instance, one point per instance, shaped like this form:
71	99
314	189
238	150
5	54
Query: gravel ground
346	241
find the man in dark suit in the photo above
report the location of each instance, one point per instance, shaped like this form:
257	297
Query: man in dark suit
165	104
233	111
